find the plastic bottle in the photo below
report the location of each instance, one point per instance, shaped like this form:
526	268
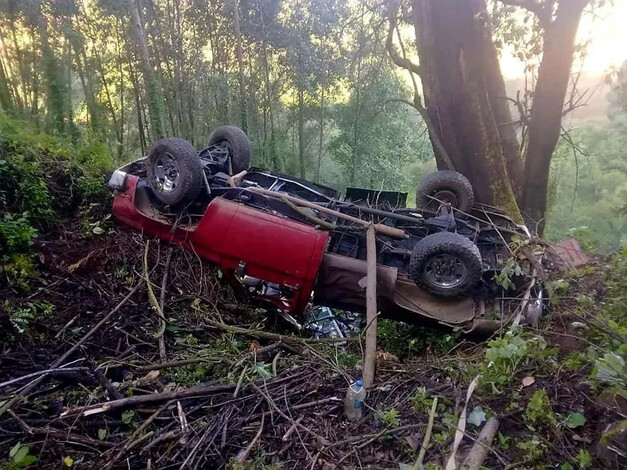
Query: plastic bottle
354	401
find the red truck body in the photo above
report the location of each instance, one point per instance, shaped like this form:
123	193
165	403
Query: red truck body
241	239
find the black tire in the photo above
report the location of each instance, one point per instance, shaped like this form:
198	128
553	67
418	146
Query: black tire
238	144
448	186
181	158
446	264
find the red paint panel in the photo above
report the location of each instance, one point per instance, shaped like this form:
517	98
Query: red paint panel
273	248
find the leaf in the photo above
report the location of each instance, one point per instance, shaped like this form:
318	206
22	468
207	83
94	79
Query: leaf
127	416
476	416
28	460
21	453
566	466
575	420
68	461
527	381
262	370
102	434
98	230
14	449
405	466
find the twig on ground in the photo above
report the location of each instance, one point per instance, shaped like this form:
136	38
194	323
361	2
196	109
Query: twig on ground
69	352
164	285
479	451
152	299
246	453
425	441
273	405
275	336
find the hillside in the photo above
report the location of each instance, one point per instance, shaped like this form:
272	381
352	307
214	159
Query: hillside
82	383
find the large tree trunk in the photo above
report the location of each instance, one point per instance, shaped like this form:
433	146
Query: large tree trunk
546	114
6	102
459	77
234	4
56	90
301	134
154	93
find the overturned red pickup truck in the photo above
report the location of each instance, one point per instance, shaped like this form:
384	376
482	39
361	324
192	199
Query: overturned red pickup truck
212	203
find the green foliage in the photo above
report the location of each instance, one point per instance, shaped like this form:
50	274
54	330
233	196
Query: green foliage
390	418
584	459
507	270
406	341
420	400
575	420
505	356
533	449
16	235
610	370
21	317
588	187
127	416
19	457
42	179
503	441
191	374
539	410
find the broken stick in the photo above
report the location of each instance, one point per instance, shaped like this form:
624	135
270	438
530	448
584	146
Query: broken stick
68	353
370	355
479	450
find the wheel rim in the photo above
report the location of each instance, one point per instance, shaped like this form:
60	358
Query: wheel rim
445	271
167	172
446	196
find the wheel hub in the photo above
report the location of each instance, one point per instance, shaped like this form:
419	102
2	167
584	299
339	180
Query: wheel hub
445	270
167	172
446	196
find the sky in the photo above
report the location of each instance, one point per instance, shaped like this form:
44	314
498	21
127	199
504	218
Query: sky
608	32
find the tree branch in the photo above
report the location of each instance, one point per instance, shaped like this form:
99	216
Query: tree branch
543	11
403	62
408	65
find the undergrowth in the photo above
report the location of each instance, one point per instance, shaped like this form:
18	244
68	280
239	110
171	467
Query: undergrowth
43	179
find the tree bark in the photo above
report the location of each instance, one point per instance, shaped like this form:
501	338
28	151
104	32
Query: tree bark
53	75
6	102
301	133
154	93
240	66
457	62
546	113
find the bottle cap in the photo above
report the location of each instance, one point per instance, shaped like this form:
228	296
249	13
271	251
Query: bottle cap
359	383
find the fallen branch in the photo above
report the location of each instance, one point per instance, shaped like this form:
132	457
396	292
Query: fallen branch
383	229
138	400
41	372
479	450
164	283
275	336
152	299
132	441
425	441
246	453
68	353
370	354
451	464
322	440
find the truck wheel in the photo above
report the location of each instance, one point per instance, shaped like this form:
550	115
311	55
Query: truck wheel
447	186
446	264
174	171
238	144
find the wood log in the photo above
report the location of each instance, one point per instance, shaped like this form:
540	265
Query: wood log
370	354
383	229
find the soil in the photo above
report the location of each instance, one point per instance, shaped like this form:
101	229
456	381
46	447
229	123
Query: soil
84	276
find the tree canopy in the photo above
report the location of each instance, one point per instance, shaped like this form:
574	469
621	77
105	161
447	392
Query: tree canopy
348	94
